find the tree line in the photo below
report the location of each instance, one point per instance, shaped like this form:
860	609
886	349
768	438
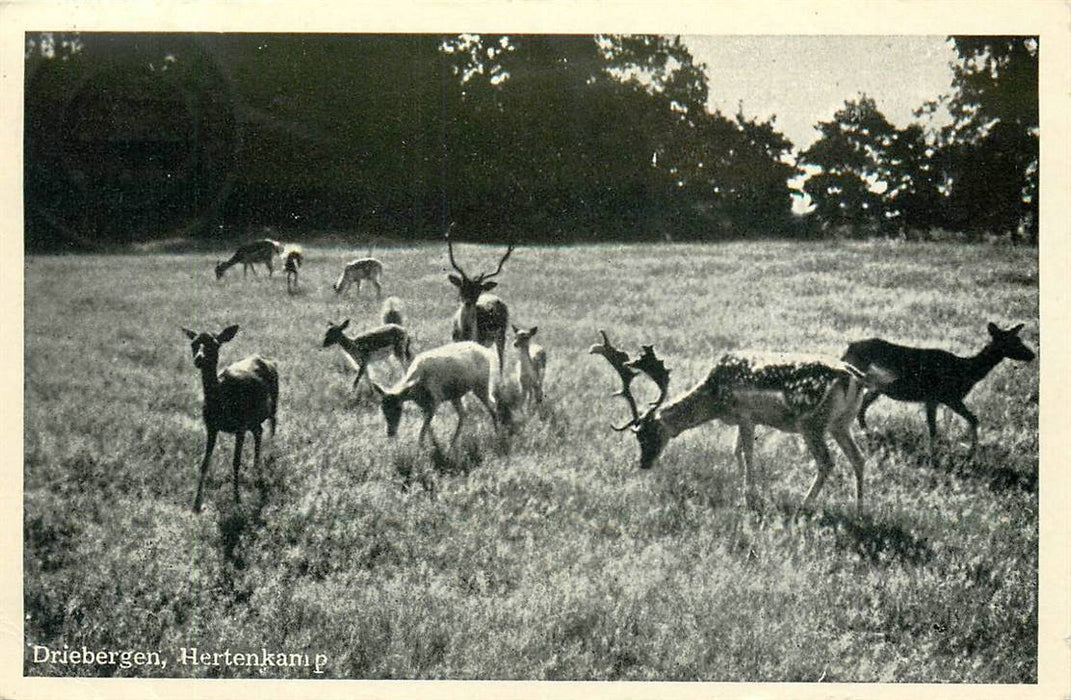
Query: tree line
540	138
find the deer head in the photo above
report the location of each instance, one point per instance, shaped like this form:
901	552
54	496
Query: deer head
205	346
649	432
470	288
1008	343
334	333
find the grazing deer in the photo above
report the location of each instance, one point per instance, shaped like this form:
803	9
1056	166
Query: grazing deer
375	344
531	365
293	259
262	251
482	317
803	394
363	269
446	373
391	311
237	400
931	376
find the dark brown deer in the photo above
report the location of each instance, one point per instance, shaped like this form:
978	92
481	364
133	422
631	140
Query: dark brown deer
262	251
482	317
933	377
237	400
804	394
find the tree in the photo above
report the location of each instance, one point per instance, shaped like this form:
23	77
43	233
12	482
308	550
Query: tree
990	150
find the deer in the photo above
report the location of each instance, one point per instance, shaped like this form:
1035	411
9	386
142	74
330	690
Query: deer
934	377
237	400
482	317
809	395
446	373
531	364
293	260
262	251
378	343
359	270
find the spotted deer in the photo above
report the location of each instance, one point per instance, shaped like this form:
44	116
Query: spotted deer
482	317
531	364
803	394
378	343
446	373
933	377
237	400
361	270
262	251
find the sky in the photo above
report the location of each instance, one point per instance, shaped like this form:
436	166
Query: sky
805	79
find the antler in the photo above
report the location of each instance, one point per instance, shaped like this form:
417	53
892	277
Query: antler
647	363
450	250
619	360
505	257
655	368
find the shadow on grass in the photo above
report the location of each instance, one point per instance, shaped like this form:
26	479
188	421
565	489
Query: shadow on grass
989	464
877	542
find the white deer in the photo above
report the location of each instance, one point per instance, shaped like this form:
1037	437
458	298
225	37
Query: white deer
531	364
804	394
482	317
446	373
378	343
262	251
237	400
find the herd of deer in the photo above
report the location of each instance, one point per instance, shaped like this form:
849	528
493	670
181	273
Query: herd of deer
809	395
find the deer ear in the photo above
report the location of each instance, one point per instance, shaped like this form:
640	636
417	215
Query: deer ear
535	329
228	333
345	324
515	328
1015	331
488	286
454	280
378	389
993	330
189	334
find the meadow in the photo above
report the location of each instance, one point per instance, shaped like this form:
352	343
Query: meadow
543	552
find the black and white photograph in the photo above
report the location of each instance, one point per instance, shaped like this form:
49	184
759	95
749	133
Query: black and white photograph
627	350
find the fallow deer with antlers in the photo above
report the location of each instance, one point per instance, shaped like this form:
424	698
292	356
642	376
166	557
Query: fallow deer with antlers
482	317
804	394
237	400
933	377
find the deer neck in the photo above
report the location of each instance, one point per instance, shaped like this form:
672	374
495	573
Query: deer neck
349	347
685	412
209	379
983	363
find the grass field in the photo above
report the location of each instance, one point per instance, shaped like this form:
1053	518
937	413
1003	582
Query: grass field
544	553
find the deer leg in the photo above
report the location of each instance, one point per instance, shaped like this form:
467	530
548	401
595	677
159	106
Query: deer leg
271	268
425	429
358	292
210	445
239	440
931	425
257	432
745	455
360	373
379	290
851	450
460	420
817	444
972	421
491	405
869	398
